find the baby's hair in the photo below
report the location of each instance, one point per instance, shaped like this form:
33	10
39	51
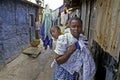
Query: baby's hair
56	27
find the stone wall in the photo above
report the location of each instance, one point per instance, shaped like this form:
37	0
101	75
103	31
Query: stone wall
14	28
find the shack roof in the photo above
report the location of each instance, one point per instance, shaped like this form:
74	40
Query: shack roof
31	3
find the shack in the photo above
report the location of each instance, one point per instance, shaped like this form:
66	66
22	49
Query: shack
17	27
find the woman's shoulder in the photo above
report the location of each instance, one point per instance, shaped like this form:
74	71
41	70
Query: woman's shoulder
83	37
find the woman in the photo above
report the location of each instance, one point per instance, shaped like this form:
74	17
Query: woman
73	57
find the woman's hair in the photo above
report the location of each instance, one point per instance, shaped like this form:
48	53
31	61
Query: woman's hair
76	18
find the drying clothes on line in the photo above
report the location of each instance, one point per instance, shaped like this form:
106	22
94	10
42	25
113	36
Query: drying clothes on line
48	22
46	40
45	30
64	18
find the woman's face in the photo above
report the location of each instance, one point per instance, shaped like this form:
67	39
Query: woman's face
55	33
76	28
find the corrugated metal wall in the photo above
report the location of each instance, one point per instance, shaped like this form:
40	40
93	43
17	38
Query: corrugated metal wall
107	29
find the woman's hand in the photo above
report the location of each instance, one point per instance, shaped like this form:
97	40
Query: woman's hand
77	45
72	48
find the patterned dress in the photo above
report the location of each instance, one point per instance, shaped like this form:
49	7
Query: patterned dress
80	61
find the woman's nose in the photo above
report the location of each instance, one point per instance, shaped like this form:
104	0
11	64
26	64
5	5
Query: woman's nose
76	28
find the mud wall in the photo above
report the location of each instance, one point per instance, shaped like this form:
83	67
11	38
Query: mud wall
14	28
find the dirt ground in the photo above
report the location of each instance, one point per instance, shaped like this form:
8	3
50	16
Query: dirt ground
26	68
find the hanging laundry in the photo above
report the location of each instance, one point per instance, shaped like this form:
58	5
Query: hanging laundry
64	17
45	30
59	14
61	8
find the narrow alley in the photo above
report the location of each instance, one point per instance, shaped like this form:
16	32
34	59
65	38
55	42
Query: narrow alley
30	30
25	67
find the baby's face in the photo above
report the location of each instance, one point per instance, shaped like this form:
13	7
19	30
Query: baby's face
54	33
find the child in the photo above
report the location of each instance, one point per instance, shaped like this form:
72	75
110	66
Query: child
55	32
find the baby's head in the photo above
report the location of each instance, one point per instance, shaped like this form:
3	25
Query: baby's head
55	32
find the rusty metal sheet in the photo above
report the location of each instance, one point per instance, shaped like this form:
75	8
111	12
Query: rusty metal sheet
107	28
